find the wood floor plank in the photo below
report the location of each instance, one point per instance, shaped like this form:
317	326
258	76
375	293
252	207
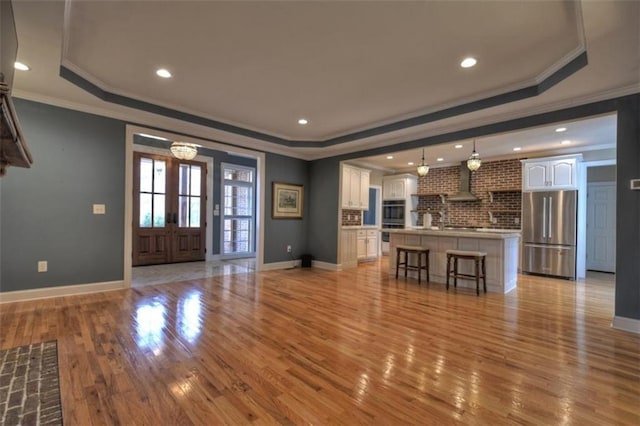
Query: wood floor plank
353	347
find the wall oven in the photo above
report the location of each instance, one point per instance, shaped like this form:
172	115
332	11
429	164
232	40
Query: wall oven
393	217
393	211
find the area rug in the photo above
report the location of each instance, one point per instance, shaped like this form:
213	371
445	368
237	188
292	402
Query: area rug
30	385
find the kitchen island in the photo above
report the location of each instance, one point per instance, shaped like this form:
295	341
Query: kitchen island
501	248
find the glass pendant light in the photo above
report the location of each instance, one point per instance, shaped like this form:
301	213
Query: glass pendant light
423	168
474	162
184	150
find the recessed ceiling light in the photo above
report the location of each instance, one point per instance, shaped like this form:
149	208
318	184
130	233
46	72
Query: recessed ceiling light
440	159
468	62
303	121
389	157
565	142
410	163
561	129
164	73
517	148
457	146
20	66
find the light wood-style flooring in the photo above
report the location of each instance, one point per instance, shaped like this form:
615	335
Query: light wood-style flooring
306	346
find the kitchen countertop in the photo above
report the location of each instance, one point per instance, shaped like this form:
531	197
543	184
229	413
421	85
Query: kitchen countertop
483	233
360	227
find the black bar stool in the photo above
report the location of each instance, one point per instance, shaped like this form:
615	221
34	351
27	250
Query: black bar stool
404	249
478	257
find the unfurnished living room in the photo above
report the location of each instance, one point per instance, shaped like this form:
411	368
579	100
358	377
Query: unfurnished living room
322	212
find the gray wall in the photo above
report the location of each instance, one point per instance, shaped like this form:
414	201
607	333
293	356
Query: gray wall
278	233
601	174
47	209
323	227
628	210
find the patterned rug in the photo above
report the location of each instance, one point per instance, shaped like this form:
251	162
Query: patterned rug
30	385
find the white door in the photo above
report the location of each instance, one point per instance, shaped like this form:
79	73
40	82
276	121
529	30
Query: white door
535	175
601	226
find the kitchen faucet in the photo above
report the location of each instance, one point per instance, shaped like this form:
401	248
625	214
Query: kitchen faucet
443	214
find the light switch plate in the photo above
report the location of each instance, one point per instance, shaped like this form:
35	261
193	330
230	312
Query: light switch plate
635	184
99	209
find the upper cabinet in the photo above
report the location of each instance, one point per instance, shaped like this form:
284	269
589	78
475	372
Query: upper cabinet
355	188
399	187
549	174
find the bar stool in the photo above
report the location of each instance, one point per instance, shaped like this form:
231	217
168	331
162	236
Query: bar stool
478	257
405	249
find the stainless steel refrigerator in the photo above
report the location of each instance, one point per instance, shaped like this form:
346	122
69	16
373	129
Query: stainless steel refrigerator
549	233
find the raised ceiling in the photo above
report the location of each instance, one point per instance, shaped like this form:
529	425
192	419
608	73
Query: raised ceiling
346	66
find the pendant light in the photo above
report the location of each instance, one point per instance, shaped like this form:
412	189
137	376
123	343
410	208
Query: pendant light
184	150
474	162
423	168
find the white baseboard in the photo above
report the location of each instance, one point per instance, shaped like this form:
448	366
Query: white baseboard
67	290
281	265
626	324
325	265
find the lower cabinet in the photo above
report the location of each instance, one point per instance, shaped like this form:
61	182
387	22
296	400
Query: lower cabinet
367	244
348	248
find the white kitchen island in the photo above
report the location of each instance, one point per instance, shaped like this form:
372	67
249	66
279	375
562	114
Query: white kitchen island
501	248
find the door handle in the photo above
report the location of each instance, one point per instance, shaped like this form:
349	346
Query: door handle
544	217
550	214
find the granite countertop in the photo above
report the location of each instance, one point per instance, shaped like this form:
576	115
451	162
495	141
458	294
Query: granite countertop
360	227
484	233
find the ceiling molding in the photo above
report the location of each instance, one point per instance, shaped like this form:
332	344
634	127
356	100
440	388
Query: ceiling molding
565	71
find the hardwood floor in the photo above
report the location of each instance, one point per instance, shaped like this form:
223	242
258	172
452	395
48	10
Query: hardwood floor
356	347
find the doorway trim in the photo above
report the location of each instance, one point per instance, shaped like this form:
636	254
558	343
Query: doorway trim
260	157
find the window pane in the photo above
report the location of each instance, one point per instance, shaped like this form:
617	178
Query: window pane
194	214
145	210
158	211
236	237
195	180
183	211
146	175
238	174
160	173
183	184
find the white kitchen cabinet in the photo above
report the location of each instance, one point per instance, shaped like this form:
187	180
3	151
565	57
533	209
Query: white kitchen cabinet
372	243
399	187
549	174
348	248
394	189
355	188
367	244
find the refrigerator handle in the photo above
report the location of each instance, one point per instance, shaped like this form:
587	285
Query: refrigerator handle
550	213
544	217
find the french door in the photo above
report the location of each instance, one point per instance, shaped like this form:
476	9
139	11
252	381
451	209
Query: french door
169	209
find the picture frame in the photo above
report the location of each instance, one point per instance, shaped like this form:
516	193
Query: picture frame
288	200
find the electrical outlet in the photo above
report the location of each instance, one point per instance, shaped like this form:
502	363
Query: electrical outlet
289	249
516	221
42	266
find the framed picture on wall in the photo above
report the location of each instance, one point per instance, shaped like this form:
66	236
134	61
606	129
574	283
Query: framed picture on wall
288	200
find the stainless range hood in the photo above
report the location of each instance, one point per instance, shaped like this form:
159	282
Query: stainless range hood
464	191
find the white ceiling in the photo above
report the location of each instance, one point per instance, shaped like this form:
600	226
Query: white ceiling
597	133
346	66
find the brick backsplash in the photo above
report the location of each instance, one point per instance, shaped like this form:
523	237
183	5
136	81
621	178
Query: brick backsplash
356	217
492	176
